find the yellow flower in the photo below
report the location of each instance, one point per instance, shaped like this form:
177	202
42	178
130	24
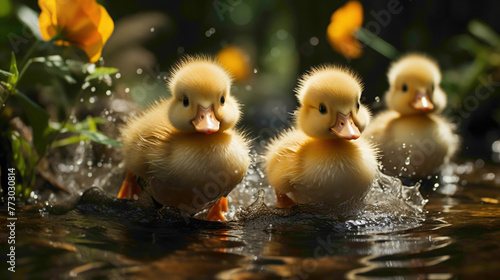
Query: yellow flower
235	61
344	23
82	23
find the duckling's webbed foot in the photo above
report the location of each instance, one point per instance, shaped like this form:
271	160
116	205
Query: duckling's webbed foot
215	213
130	188
283	201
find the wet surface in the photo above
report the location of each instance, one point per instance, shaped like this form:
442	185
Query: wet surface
110	239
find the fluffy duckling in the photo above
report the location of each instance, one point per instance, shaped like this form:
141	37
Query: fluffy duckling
323	159
186	146
414	139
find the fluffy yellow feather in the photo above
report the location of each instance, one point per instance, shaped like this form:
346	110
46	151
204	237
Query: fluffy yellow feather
414	139
323	159
186	145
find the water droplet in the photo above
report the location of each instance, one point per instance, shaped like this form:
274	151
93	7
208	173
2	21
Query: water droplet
407	161
92	89
377	99
139	71
81	99
108	92
314	41
152	29
210	32
248	87
85	85
118	75
92	99
127	90
404	145
255	70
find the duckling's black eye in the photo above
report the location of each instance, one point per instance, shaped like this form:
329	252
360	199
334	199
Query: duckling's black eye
357	105
185	101
322	108
222	100
432	88
404	88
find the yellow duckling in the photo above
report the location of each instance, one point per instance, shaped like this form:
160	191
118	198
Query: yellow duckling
186	146
323	159
414	139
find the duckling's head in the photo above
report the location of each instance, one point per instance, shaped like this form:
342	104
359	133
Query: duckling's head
414	86
330	104
201	97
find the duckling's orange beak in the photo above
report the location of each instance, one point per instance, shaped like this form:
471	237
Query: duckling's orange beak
422	102
205	120
345	127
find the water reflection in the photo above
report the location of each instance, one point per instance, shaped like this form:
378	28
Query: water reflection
105	238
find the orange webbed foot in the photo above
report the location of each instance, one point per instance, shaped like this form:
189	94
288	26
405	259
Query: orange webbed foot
283	201
130	188
215	213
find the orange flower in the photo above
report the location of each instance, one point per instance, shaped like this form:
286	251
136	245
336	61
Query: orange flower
235	61
344	23
82	23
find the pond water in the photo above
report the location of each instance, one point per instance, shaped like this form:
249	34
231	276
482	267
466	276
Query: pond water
392	236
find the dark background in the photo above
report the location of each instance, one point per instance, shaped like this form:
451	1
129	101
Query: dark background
430	27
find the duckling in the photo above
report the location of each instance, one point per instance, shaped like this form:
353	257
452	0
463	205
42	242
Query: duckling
414	139
322	158
186	146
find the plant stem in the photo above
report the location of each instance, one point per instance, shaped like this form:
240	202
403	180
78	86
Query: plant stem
28	54
23	69
63	124
24	66
378	44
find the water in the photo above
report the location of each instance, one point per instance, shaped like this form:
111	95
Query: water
459	237
389	235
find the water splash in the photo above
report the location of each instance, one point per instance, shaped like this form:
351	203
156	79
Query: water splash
388	205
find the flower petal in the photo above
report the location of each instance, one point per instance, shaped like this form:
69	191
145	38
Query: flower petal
344	23
235	61
83	23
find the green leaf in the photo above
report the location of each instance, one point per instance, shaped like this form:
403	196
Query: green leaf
100	72
100	138
29	18
39	121
17	152
68	141
12	80
5	73
484	32
57	64
92	124
79	126
87	130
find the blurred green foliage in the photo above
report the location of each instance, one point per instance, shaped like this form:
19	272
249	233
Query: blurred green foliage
64	75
